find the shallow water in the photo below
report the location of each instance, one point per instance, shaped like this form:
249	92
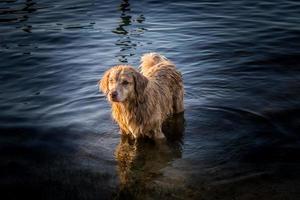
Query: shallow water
237	139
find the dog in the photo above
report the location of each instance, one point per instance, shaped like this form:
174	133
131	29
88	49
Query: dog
142	101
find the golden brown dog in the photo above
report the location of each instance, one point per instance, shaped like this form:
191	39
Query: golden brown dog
142	101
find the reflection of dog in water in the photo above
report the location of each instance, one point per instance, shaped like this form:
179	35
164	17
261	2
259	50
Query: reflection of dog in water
142	101
140	161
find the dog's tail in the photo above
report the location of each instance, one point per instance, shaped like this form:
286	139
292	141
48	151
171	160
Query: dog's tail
150	59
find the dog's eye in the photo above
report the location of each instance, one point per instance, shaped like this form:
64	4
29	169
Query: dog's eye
125	83
111	80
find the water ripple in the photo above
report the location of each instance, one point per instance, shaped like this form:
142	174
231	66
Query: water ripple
240	65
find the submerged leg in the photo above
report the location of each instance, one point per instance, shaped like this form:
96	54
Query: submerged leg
158	134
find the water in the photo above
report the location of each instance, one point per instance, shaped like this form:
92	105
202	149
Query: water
237	139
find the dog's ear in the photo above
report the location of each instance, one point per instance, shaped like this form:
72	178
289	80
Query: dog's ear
140	83
103	83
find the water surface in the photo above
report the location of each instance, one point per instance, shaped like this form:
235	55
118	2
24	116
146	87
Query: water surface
237	139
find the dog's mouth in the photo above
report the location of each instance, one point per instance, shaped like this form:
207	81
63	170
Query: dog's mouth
114	99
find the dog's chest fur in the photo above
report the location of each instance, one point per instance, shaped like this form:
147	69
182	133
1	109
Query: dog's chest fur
135	120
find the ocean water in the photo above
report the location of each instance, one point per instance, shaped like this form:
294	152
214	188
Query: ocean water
237	139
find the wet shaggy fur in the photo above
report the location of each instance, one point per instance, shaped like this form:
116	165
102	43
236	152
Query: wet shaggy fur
151	95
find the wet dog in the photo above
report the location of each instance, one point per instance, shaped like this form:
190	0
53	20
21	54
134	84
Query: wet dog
142	101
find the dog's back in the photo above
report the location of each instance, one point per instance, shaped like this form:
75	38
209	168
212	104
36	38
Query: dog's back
163	73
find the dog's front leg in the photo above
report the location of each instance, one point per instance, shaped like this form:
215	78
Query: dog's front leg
158	134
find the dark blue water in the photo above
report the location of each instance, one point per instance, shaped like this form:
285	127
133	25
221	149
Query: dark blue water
237	139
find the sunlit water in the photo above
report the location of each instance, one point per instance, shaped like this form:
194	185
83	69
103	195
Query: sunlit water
238	137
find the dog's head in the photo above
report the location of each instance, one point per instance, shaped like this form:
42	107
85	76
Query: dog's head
123	83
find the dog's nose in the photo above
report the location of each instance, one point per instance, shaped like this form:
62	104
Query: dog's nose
114	95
